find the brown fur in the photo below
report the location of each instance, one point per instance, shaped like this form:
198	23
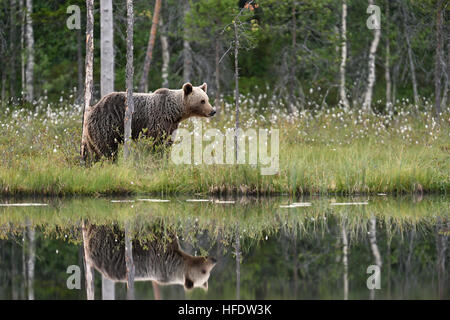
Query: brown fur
163	262
156	115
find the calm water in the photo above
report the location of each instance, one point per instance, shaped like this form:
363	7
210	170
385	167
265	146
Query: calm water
246	248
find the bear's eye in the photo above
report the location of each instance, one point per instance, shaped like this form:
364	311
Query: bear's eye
203	101
203	271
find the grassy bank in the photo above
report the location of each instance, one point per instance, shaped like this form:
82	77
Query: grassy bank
330	151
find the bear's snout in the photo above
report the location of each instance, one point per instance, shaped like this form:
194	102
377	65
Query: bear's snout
213	112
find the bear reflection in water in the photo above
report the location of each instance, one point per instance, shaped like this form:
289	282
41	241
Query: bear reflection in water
161	261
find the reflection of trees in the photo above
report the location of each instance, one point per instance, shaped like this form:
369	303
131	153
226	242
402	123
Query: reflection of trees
30	241
345	259
441	246
129	262
237	252
108	289
88	269
374	248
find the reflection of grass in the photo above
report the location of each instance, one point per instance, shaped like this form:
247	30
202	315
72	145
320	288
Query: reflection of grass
326	152
252	219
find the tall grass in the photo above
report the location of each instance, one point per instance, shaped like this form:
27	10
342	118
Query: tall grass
322	151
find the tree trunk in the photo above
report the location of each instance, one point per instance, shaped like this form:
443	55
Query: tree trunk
237	251
374	247
22	48
129	107
80	68
143	83
108	289
371	76
345	259
441	247
293	70
156	291
410	57
3	91
29	71
447	79
187	54
387	72
88	82
236	89
217	75
106	47
31	259
342	92
165	55
14	271
128	245
438	67
13	50
88	268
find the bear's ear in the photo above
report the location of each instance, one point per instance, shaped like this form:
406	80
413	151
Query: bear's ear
187	88
204	86
188	284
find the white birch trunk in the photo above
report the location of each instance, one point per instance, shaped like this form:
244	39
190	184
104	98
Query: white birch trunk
387	72
165	54
129	106
29	69
130	269
22	47
88	268
345	260
89	70
31	259
106	47
371	75
410	57
187	54
342	91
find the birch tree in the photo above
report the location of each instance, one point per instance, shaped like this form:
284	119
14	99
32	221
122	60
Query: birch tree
372	55
89	69
80	67
13	49
387	72
129	262
31	258
88	268
29	37
129	103
106	47
438	63
143	83
342	91
187	54
165	54
22	46
412	67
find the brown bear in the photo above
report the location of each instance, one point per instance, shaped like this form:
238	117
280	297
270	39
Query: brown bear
156	115
162	261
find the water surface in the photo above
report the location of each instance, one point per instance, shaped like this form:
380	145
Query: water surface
242	248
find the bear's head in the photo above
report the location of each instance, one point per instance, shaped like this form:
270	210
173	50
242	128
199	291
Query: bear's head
197	272
196	101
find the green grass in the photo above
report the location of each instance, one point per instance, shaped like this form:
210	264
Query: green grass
323	152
